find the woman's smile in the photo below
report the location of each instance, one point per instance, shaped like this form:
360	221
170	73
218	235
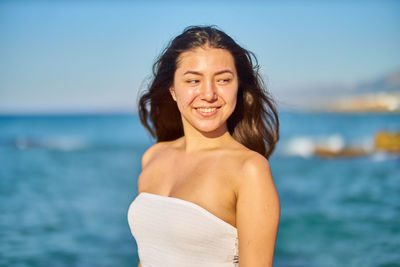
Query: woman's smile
207	111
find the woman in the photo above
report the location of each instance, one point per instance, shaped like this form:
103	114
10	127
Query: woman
206	194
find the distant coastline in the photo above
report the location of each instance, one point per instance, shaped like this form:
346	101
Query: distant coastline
380	95
379	102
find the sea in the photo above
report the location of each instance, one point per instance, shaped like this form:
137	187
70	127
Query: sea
66	182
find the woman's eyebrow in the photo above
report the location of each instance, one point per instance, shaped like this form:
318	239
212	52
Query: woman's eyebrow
192	72
199	73
224	71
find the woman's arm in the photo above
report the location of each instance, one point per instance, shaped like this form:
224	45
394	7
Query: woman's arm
139	265
257	213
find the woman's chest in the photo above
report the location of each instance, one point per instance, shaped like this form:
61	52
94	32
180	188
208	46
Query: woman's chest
204	183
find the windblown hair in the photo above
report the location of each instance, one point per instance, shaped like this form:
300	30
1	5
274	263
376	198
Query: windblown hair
254	122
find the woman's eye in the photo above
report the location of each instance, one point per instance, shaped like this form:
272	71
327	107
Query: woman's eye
224	80
192	81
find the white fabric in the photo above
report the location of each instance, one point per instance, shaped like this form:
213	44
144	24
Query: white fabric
172	232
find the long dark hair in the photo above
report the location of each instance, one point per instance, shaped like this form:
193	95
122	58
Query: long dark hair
254	122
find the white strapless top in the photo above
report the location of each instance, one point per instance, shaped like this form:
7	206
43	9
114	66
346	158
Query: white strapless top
172	232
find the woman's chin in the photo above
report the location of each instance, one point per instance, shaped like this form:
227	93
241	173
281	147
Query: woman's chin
212	129
210	126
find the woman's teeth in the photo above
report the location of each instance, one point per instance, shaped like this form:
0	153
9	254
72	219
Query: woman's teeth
206	110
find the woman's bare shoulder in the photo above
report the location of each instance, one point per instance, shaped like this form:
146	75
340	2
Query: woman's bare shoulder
254	170
246	160
243	163
153	160
155	150
255	162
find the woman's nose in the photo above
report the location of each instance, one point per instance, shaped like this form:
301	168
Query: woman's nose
208	91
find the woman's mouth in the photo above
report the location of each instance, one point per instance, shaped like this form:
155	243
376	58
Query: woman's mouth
207	111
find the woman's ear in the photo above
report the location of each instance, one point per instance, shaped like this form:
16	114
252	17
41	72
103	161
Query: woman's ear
172	91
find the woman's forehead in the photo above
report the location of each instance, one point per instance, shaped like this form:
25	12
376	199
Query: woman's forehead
205	58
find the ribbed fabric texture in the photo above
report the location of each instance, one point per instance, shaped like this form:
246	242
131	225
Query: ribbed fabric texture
171	232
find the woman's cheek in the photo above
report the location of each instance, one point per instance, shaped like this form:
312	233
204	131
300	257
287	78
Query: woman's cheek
231	94
185	98
188	96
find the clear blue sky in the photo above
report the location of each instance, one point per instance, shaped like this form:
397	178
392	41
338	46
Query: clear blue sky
94	55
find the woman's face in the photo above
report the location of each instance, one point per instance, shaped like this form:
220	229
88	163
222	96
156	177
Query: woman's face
205	88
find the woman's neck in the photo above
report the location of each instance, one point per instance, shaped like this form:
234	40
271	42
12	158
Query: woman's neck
195	140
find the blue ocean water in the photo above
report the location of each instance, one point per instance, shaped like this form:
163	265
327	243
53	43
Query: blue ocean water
66	183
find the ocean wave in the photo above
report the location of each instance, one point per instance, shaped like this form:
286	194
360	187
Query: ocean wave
383	156
305	146
59	143
335	144
299	146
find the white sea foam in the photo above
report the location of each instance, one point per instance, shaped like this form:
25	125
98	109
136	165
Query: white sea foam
334	142
300	146
304	146
62	143
383	156
65	143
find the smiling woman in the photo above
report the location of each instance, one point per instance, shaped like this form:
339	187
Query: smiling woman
206	194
